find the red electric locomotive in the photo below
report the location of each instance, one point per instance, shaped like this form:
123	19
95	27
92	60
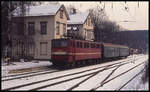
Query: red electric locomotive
68	52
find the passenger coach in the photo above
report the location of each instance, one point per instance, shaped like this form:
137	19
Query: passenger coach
114	51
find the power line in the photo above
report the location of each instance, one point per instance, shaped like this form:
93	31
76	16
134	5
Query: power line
126	7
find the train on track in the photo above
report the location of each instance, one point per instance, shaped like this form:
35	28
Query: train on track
70	52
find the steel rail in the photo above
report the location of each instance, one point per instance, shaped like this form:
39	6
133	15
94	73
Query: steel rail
130	80
102	83
57	77
42	73
60	76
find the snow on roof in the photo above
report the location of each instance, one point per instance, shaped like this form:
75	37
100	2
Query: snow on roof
78	18
74	28
50	9
68	28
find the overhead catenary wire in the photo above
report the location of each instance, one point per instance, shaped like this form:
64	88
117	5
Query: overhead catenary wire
127	10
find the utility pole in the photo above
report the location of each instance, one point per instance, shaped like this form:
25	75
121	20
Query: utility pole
138	4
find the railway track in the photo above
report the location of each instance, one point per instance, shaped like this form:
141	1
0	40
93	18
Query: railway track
130	80
103	81
70	79
106	81
47	68
31	74
90	74
27	73
61	77
75	86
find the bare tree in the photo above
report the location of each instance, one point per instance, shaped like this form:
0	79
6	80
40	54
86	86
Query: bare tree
7	8
72	9
104	29
9	36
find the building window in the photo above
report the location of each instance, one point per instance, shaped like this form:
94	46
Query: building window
20	27
85	33
88	21
57	28
43	27
43	48
61	13
31	28
18	52
64	28
31	48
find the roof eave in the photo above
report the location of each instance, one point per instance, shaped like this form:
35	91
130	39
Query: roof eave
33	16
86	18
75	23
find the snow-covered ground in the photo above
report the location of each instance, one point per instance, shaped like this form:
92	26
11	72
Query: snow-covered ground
22	65
93	82
114	84
137	84
118	82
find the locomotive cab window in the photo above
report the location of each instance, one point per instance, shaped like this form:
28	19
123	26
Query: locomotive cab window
55	44
64	43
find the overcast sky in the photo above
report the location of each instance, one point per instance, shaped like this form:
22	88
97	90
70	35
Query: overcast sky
137	13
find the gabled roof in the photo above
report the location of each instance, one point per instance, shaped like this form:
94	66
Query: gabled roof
41	10
78	18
